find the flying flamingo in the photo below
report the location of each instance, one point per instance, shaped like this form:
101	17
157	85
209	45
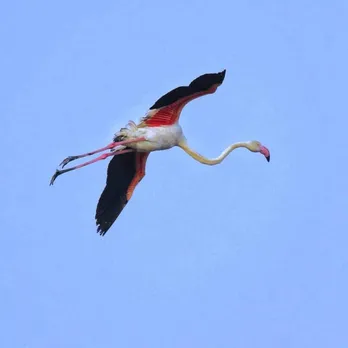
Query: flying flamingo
159	129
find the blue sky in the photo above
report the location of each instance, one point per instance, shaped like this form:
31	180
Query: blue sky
244	254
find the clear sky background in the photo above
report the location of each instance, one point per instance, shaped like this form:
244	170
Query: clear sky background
245	254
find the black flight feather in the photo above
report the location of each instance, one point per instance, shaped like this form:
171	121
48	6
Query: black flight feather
120	173
200	84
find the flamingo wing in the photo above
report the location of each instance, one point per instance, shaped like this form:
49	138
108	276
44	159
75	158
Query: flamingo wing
166	111
124	173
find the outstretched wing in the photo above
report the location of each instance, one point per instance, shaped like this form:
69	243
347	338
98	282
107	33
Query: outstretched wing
167	109
125	171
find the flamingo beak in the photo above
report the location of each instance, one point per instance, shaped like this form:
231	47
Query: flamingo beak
265	152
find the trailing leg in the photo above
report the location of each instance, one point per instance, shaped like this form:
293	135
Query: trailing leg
101	157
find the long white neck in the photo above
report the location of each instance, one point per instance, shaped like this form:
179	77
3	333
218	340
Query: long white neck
211	161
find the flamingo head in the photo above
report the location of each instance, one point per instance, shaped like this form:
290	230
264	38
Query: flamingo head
256	146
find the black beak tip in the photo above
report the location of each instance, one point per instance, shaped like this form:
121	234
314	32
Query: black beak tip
268	158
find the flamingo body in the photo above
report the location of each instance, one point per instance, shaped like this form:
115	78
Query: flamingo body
156	137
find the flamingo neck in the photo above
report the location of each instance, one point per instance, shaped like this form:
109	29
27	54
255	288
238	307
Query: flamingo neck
212	161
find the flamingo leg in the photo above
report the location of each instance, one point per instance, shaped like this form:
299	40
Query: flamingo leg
99	158
108	147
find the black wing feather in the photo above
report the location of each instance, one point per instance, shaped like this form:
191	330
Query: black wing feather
120	173
200	84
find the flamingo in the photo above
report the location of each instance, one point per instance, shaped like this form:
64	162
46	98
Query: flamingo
158	130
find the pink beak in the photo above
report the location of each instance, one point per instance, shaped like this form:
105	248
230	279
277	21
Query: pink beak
265	152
